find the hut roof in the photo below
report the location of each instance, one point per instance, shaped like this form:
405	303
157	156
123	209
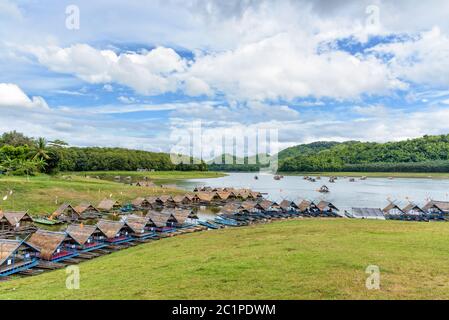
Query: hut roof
324	204
247	205
165	199
47	242
391	206
140	201
179	198
190	196
441	205
108	204
110	228
159	219
255	194
81	233
223	195
14	217
410	207
205	196
63	208
8	247
304	204
265	204
137	223
151	199
368	213
83	207
285	204
181	215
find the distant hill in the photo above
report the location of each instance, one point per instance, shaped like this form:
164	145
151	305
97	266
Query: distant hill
426	154
227	162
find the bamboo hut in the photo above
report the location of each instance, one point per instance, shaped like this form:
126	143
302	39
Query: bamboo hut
165	201
437	207
184	216
53	246
107	205
413	210
141	227
16	256
247	206
180	200
86	237
392	210
15	220
327	207
87	211
116	232
164	221
141	203
205	197
287	205
66	213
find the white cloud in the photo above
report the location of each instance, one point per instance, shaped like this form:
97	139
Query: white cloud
12	96
424	60
146	72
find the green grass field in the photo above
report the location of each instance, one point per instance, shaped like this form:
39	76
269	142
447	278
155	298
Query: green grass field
302	259
43	194
423	175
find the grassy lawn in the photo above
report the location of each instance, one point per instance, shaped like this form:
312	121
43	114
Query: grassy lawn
302	259
432	175
43	194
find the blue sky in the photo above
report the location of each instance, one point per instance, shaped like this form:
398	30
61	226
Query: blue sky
135	73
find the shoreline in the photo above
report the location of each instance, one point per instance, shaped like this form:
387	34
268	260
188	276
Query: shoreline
416	175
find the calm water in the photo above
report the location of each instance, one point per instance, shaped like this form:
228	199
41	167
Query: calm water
373	192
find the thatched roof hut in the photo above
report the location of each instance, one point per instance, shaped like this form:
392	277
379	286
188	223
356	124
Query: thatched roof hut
392	209
16	256
161	219
437	207
16	218
165	200
413	209
114	230
84	234
51	244
66	213
180	199
109	204
325	206
141	203
139	225
286	205
183	215
222	195
205	197
86	207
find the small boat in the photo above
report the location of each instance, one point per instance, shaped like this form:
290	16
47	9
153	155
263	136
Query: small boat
363	178
256	178
352	180
45	221
277	177
323	189
332	180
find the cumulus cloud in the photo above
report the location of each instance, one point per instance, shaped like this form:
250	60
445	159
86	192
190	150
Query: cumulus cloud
422	60
146	72
12	96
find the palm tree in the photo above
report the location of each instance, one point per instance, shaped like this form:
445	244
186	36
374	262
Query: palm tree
40	150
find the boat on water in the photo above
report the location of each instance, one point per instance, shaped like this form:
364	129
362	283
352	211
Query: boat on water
256	178
324	189
276	177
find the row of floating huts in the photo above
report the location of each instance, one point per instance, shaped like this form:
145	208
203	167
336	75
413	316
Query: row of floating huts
141	222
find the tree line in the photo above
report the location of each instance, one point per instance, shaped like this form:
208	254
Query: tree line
20	155
426	154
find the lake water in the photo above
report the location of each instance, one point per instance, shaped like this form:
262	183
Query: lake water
373	192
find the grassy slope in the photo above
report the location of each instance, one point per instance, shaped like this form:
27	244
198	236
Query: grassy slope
432	175
309	259
39	194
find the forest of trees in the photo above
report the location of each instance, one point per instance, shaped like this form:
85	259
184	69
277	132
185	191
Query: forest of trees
20	155
426	154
